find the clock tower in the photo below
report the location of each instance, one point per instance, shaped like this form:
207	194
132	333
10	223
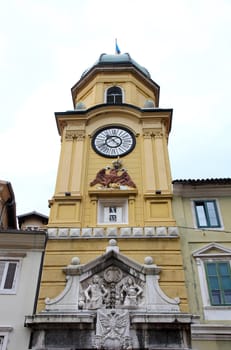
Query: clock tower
112	234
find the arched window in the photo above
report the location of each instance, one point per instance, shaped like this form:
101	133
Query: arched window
114	95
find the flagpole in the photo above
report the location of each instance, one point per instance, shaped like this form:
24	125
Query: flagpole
117	49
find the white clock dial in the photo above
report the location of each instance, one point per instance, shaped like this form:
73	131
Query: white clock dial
114	141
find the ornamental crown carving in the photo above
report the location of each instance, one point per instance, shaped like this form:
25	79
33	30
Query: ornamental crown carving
115	177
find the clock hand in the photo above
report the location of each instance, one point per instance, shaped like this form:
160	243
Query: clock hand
117	143
101	144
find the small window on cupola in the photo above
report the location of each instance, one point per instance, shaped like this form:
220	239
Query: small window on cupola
114	95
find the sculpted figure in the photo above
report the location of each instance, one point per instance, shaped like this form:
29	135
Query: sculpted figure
130	292
95	293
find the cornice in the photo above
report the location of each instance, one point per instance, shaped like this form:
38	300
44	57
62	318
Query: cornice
211	331
82	116
208	188
22	240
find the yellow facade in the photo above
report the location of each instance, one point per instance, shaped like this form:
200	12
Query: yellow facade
165	253
75	204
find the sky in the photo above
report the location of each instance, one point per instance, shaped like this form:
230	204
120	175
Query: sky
45	45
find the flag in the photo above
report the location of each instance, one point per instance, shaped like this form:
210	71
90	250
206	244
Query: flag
117	50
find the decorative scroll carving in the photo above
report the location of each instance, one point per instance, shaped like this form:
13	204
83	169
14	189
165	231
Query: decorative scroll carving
112	330
149	133
113	177
75	134
158	134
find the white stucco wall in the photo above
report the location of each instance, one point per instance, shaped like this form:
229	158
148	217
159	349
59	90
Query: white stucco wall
14	307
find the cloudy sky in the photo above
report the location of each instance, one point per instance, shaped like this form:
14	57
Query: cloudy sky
45	45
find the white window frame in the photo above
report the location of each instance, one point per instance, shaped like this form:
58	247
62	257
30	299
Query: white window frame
3	345
211	312
105	92
12	290
4	333
104	204
193	200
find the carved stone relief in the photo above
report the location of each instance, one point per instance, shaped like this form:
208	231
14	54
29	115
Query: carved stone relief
120	293
95	294
130	292
112	289
119	285
112	330
113	177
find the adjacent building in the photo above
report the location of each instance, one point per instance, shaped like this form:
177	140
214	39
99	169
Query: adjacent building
33	220
21	254
7	206
202	211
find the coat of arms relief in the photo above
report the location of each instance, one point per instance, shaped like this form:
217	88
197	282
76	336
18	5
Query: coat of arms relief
112	287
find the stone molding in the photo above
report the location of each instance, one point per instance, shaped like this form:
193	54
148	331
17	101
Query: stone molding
106	232
211	331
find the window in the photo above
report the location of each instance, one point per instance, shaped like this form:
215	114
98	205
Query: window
207	214
1	341
112	214
219	282
4	338
114	95
213	263
32	228
8	274
112	211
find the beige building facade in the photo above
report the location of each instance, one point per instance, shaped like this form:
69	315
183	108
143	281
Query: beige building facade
202	211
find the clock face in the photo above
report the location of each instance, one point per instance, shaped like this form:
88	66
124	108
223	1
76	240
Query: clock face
113	141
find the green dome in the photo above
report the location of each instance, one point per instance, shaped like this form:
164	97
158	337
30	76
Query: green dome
122	59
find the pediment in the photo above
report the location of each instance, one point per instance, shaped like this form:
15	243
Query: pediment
212	250
112	281
115	259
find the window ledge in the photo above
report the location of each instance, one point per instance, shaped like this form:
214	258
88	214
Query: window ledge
217	307
217	313
6	328
113	192
7	292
